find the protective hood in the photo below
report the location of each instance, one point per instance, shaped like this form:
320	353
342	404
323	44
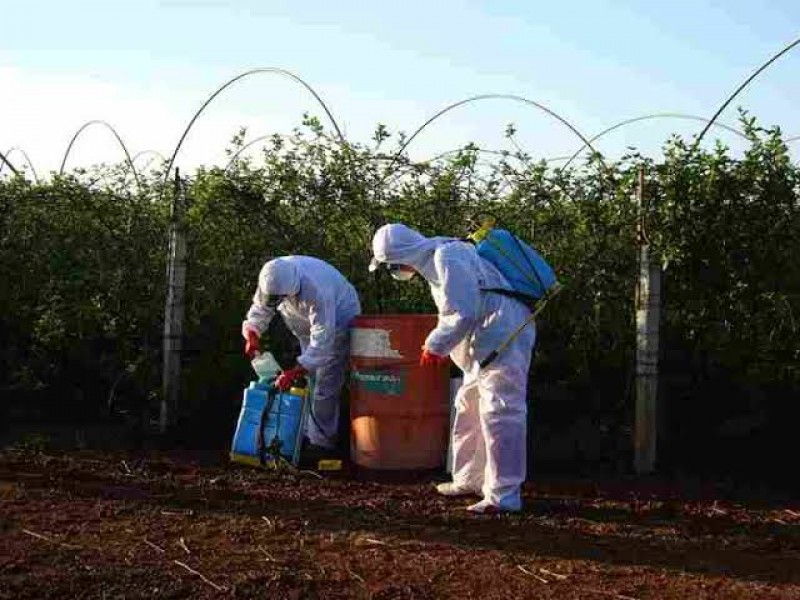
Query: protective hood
396	243
279	277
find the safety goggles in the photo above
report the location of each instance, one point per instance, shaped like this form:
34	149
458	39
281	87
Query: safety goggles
376	265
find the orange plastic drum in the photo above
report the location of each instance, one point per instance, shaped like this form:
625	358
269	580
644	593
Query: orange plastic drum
399	411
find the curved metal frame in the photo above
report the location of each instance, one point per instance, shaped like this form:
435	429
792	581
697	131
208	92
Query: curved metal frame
27	160
219	90
650	117
251	143
243	148
491	97
7	162
398	173
116	135
143	152
154	152
736	92
505	153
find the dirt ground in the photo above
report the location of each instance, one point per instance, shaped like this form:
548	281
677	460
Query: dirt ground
86	525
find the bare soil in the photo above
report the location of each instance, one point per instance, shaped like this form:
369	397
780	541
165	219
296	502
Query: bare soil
170	525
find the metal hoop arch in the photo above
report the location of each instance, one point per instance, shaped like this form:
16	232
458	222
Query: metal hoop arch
736	92
27	160
481	97
650	117
10	166
116	135
219	90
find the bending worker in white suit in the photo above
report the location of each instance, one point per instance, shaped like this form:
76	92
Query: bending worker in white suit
489	432
317	303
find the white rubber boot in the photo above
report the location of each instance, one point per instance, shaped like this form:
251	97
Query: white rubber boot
452	490
487	508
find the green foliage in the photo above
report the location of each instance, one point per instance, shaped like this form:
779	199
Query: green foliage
81	300
83	266
728	231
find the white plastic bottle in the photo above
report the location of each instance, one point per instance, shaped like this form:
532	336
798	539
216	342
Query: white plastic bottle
265	366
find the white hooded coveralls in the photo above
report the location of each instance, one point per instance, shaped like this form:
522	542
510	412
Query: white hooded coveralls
318	308
489	431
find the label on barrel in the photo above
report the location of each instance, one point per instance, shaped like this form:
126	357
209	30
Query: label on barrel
372	343
380	382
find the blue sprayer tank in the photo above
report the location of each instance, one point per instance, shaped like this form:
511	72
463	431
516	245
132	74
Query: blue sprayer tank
270	422
524	268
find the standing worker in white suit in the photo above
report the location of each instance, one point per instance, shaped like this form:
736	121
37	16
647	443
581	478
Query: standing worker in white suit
318	304
489	431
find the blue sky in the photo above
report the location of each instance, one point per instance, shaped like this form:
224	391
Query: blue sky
146	66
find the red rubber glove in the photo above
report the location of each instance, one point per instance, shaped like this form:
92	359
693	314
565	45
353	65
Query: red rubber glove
429	359
251	345
287	378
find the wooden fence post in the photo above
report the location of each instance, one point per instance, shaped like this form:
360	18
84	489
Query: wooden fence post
174	308
648	309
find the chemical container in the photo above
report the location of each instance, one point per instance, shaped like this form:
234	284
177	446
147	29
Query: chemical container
270	423
399	410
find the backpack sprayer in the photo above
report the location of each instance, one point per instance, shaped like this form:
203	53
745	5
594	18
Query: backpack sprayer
271	422
270	425
532	280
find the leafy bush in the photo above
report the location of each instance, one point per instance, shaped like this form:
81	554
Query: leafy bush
83	265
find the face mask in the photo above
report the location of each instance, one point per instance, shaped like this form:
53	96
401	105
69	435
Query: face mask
274	301
401	275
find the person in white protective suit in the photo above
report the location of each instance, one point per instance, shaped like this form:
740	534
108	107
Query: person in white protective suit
489	431
317	303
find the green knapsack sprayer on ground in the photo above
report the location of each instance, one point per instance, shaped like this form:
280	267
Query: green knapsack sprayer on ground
531	278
